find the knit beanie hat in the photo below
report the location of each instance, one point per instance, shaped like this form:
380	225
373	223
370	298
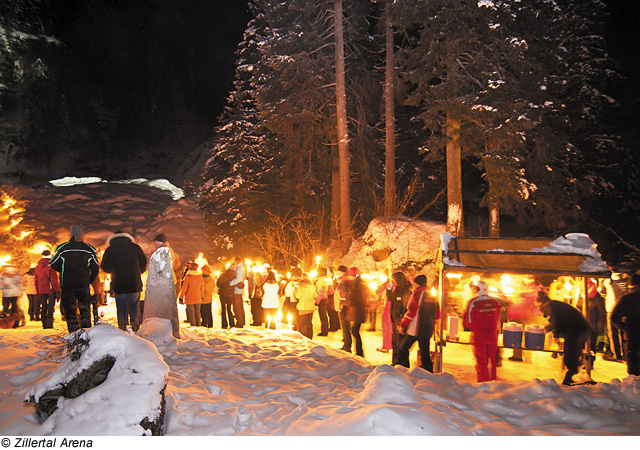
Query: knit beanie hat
421	280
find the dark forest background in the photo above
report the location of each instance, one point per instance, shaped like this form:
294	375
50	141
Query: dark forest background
122	89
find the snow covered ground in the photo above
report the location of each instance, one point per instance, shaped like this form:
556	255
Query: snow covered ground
256	382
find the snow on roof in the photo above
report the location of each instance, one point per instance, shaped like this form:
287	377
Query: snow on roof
574	253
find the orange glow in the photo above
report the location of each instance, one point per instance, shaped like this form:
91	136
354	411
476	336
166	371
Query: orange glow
23	234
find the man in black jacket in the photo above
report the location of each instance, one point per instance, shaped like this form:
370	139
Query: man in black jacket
626	317
125	261
77	263
566	322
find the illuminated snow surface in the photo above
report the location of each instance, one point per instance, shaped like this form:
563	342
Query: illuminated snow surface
256	382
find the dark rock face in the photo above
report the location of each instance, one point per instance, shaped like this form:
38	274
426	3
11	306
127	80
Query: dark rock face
86	380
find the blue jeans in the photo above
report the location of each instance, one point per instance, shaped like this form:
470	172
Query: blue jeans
128	310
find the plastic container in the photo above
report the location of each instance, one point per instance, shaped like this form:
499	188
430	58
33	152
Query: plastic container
512	335
534	337
454	322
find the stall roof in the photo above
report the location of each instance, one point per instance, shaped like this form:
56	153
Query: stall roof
572	254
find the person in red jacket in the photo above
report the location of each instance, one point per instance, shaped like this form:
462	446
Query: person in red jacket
418	324
482	316
48	288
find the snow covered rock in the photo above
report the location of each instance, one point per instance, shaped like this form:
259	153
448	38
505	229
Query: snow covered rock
391	242
107	371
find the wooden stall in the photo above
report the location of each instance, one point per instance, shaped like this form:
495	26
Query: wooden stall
513	268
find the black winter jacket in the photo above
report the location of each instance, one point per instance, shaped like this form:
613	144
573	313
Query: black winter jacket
626	317
399	298
125	261
77	263
564	319
596	313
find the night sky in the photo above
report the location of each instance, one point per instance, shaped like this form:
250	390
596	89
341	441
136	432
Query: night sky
155	74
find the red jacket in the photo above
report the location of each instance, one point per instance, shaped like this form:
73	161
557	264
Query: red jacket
46	278
482	316
421	315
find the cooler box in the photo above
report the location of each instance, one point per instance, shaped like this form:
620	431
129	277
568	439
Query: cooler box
454	322
512	335
534	337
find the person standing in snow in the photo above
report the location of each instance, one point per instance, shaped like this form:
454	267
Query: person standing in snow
192	293
398	296
77	263
238	291
418	324
332	313
356	308
226	293
305	295
209	284
11	288
626	317
255	282
126	262
48	288
482	316
29	286
344	284
270	299
596	315
566	322
616	288
289	305
160	295
322	300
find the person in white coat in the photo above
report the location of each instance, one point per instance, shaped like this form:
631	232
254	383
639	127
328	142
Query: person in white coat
270	299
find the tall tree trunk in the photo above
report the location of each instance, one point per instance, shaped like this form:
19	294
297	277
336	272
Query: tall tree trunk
390	118
454	178
335	194
494	221
343	135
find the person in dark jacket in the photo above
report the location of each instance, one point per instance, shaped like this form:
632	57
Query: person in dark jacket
356	304
418	324
566	322
77	263
48	288
126	262
596	315
226	294
626	317
398	296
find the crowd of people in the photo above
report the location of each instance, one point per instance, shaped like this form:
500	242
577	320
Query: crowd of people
145	288
601	326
